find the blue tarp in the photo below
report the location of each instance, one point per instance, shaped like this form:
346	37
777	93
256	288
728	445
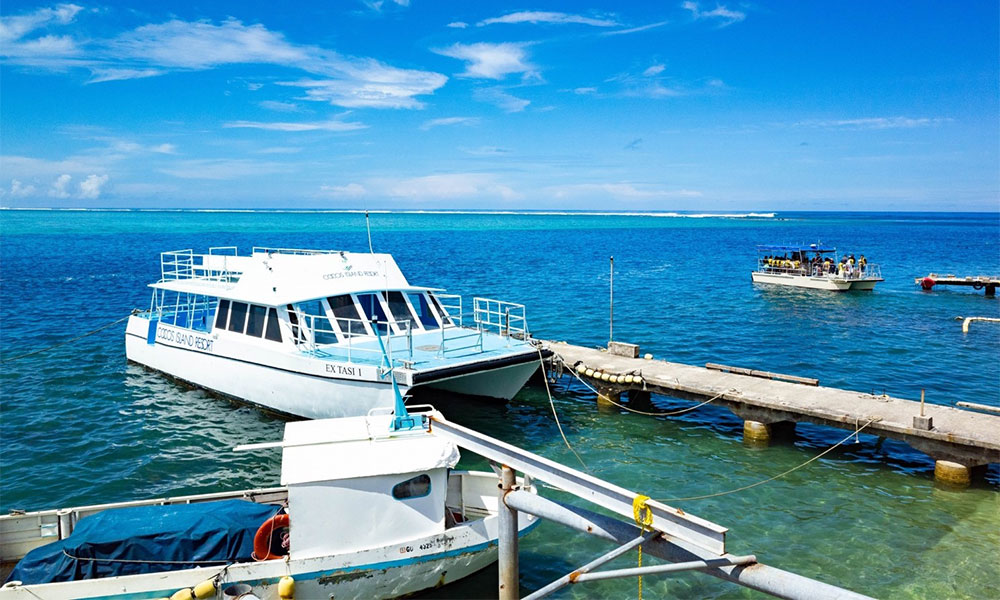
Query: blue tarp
169	537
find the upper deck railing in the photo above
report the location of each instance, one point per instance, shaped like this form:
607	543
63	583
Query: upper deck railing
849	272
303	251
185	264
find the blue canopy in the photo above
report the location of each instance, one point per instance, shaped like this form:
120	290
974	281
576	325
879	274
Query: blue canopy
800	248
148	539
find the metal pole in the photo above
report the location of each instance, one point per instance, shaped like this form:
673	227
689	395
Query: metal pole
671	568
507	534
761	577
611	324
921	402
573	577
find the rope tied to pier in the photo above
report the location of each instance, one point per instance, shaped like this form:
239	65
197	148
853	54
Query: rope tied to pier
644	520
79	337
650	414
779	475
541	360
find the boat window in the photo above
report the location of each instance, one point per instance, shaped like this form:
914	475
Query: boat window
347	315
373	310
424	312
293	317
255	324
445	317
313	313
397	306
223	315
238	319
417	487
273	332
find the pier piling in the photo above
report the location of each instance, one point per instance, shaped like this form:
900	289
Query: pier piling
507	544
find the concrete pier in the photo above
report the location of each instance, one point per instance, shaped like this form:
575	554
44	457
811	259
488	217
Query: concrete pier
957	439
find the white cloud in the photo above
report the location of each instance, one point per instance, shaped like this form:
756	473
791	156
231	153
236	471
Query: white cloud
386	89
654	70
491	61
449	121
536	17
176	45
90	188
726	16
457	25
280	150
164	149
19	190
351	190
636	29
100	75
59	186
279	106
619	191
498	97
875	123
583	91
450	186
222	169
41	50
304	126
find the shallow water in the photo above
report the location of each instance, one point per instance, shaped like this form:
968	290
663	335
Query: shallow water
79	426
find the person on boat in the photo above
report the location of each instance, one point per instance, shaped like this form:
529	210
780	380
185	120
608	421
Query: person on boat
862	263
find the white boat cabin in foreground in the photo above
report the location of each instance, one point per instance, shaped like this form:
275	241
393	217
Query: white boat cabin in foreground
301	332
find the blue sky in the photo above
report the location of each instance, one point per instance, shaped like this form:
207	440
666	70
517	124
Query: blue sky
691	106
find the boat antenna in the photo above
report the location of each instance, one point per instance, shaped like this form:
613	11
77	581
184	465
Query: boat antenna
368	226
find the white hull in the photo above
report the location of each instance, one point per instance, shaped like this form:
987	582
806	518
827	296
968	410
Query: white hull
814	283
290	384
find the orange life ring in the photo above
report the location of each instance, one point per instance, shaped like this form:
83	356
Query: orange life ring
262	539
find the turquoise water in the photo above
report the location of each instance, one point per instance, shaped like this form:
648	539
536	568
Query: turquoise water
78	425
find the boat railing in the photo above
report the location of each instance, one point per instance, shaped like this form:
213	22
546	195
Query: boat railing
506	319
316	333
305	251
870	271
451	307
185	264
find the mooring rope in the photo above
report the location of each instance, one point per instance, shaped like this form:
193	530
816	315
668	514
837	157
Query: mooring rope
545	376
779	475
650	414
71	340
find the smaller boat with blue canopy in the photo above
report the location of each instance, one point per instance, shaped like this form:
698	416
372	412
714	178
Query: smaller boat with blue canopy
814	266
368	507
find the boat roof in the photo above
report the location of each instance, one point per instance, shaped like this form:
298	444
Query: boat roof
350	447
797	248
279	278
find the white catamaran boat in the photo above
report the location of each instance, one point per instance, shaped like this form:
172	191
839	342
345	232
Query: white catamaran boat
815	267
300	332
369	508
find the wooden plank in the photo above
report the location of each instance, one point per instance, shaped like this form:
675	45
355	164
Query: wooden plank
762	374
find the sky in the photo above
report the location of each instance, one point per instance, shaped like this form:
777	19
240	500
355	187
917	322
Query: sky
413	104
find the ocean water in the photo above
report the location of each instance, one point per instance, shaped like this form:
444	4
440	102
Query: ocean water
78	425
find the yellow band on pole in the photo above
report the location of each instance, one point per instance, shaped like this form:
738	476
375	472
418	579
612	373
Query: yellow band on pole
644	519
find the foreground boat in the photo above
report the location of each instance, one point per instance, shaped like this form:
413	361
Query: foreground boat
814	267
367	509
300	332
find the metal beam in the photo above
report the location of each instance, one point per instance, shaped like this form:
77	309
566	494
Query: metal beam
573	577
757	576
671	568
675	522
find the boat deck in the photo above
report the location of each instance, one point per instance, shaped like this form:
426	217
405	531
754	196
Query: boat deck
460	346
